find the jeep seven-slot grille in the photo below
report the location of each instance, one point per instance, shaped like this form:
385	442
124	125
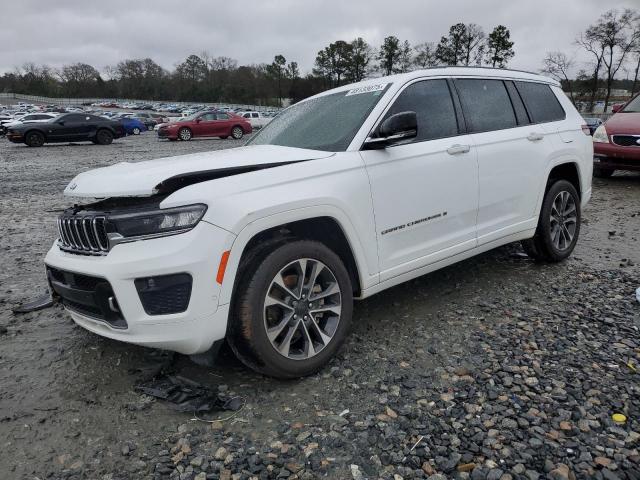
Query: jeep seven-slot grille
83	233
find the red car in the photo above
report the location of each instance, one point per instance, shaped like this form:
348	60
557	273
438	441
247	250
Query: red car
616	144
206	124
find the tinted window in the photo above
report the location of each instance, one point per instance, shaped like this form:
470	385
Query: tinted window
73	118
246	115
254	115
486	104
208	117
541	102
431	100
222	116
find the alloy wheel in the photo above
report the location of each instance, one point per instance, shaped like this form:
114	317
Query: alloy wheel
237	133
302	309
563	220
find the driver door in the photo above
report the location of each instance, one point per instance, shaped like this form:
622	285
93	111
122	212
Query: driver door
425	191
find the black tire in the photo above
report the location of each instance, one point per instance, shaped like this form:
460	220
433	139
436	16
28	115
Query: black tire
600	172
150	127
237	132
247	332
185	134
34	139
135	131
104	137
547	244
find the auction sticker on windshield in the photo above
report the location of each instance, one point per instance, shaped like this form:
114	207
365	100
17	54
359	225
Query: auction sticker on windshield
367	89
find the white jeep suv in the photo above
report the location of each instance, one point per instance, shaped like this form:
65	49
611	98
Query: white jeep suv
342	195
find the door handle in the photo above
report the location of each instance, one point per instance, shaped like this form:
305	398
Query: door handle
534	137
457	149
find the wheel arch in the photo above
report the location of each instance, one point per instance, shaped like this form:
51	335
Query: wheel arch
333	231
569	171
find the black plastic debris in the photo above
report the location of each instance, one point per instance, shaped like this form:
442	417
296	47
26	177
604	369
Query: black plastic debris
185	395
42	302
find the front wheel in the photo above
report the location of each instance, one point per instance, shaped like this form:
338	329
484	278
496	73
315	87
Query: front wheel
135	131
558	225
292	309
184	134
34	139
237	133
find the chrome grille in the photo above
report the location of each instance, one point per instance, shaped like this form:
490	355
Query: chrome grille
84	234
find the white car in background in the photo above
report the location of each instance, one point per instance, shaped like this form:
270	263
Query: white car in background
256	119
31	118
343	195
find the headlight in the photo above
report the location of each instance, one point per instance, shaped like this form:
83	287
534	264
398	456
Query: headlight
600	135
153	223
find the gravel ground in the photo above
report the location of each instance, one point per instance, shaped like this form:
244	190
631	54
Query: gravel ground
495	368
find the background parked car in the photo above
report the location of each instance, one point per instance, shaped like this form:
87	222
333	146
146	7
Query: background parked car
206	124
256	119
71	127
593	124
132	125
31	118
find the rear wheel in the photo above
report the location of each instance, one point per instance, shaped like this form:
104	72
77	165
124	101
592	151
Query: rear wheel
150	127
135	131
558	225
104	137
600	172
184	134
34	139
237	133
292	309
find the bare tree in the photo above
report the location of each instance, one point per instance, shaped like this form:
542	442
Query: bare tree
587	40
425	55
558	65
473	44
615	36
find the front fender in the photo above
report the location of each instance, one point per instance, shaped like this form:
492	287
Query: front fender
367	273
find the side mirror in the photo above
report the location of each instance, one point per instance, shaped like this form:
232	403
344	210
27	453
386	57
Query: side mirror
198	120
616	108
60	122
396	128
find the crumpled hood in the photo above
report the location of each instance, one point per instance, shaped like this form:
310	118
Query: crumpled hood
168	174
622	123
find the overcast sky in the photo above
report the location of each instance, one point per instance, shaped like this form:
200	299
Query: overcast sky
253	31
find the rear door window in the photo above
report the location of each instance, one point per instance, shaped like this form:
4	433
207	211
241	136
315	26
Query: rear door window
432	102
486	105
541	102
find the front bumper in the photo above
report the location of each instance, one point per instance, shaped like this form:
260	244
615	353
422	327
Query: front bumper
197	253
614	156
163	133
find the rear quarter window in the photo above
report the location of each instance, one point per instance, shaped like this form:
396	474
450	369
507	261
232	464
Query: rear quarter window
541	102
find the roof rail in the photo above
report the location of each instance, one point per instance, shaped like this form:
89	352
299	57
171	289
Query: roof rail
480	66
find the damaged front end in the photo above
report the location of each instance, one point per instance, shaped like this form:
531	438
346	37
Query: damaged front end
95	228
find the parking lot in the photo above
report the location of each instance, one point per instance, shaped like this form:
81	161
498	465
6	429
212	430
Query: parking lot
496	367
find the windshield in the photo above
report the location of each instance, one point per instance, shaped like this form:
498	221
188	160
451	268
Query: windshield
633	106
325	123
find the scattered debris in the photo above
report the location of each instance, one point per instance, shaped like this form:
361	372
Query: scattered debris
44	301
619	418
185	395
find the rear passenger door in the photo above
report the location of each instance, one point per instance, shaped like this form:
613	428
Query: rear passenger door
425	192
512	155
